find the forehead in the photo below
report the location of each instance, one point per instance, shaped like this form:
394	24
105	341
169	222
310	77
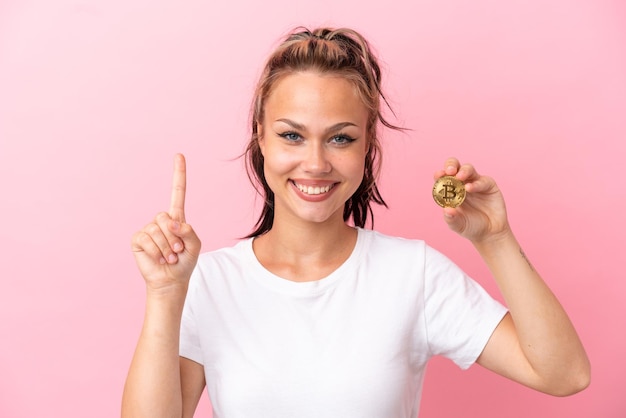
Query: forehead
311	95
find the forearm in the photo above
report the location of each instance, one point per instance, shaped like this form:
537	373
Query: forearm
546	335
153	387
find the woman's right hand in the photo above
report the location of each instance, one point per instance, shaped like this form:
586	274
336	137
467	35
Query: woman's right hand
166	250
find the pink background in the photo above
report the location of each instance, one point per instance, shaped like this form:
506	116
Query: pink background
96	97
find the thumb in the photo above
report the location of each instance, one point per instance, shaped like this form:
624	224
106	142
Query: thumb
454	219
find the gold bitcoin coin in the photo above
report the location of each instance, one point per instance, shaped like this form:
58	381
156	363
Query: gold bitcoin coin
449	192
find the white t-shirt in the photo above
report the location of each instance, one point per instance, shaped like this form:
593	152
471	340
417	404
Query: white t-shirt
351	345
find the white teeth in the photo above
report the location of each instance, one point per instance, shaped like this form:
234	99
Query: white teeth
313	189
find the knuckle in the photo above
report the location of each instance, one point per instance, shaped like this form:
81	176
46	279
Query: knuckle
152	229
136	236
144	239
162	217
142	242
135	241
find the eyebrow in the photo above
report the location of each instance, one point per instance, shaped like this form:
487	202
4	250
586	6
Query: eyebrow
298	126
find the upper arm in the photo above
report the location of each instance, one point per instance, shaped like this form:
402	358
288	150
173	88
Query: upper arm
504	356
192	382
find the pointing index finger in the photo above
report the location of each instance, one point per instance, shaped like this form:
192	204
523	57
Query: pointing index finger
179	185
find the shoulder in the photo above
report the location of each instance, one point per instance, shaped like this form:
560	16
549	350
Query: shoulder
393	255
381	244
396	249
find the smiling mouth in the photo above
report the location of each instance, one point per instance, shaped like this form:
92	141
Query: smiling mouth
313	190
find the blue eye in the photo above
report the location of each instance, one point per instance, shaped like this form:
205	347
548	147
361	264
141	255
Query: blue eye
342	139
290	136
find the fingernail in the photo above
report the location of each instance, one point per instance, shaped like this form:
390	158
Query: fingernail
162	260
176	225
172	258
177	247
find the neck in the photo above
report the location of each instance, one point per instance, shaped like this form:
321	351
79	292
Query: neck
305	251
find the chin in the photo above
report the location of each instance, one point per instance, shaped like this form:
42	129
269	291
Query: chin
318	217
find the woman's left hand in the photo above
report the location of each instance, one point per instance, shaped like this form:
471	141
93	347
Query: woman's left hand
482	216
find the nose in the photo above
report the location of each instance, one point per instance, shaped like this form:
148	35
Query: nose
316	160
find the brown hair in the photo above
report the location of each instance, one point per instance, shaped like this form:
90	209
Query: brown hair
342	52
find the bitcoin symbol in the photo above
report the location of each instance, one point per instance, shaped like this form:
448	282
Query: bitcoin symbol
449	192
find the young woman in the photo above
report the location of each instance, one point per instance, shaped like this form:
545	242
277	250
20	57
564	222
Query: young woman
313	315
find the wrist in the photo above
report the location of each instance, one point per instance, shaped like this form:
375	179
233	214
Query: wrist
171	294
164	309
495	242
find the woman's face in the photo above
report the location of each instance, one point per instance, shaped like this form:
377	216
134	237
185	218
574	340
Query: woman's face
314	142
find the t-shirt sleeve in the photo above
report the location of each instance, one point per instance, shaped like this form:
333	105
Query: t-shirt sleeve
460	315
189	335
